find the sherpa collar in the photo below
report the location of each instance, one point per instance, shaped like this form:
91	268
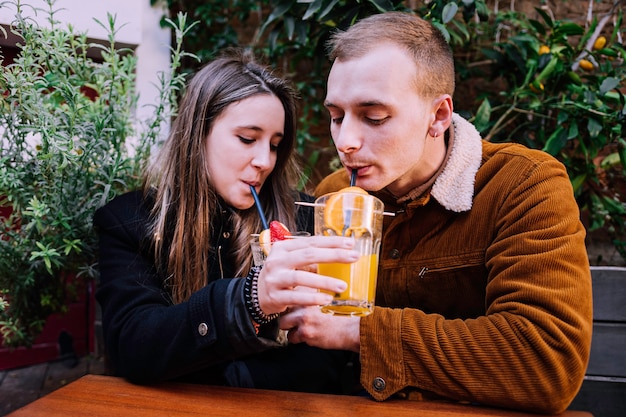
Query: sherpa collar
454	187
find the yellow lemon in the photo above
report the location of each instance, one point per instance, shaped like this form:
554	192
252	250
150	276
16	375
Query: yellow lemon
265	240
586	65
599	43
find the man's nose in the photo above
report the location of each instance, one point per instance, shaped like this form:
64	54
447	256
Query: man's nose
348	136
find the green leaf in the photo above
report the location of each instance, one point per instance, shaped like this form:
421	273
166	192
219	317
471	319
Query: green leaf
573	131
302	29
382	5
272	39
578	181
608	52
277	12
569	29
545	16
482	10
328	9
548	69
280	9
608	84
289	26
556	141
612	206
610	160
574	77
312	9
463	29
449	11
538	26
593	127
483	114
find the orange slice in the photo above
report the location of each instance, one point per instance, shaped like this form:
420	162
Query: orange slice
334	216
353	189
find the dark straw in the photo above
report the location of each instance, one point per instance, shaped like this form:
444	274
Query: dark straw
353	177
258	206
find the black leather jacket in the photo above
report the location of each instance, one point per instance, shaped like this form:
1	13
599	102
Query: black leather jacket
207	339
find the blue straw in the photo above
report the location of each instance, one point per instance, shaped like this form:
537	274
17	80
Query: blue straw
258	206
353	177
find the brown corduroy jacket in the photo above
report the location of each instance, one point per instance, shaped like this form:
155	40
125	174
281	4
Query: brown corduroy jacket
484	287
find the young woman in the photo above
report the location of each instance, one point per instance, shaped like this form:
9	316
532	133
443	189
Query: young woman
169	255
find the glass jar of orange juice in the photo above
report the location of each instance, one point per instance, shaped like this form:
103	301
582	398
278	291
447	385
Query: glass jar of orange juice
352	212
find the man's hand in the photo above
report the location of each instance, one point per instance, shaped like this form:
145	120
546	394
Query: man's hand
326	331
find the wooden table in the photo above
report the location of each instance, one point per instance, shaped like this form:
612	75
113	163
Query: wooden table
97	395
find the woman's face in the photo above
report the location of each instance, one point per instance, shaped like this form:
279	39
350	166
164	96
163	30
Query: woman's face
242	147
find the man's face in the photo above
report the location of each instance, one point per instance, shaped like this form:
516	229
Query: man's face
379	123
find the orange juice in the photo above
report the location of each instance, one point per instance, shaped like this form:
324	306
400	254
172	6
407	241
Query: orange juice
353	213
358	298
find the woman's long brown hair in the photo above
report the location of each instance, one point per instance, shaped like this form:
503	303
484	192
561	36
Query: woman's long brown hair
186	202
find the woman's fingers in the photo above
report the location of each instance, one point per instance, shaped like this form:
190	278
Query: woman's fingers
316	281
317	242
304	298
294	287
303	252
291	265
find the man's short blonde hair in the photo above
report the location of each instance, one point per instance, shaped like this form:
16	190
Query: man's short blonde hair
430	51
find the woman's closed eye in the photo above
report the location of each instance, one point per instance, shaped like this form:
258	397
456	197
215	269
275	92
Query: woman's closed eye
246	141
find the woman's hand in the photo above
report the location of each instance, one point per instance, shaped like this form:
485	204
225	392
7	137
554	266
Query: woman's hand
291	264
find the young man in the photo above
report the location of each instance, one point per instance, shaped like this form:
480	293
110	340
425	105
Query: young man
484	288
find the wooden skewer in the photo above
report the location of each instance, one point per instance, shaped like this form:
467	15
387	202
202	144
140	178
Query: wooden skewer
304	203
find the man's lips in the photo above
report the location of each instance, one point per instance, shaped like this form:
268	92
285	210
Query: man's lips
360	169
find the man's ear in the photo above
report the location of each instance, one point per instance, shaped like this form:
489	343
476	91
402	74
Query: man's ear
441	116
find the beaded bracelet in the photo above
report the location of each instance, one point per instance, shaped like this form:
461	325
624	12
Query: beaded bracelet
251	297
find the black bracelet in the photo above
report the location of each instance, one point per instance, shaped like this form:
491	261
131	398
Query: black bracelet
251	296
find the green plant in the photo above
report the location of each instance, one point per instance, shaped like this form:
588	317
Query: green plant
69	143
220	25
561	89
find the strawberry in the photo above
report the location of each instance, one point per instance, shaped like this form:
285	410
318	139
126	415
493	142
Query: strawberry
278	231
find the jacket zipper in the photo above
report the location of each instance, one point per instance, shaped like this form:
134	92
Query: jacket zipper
424	270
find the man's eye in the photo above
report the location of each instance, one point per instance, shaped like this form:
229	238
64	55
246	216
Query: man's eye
377	121
246	140
336	119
